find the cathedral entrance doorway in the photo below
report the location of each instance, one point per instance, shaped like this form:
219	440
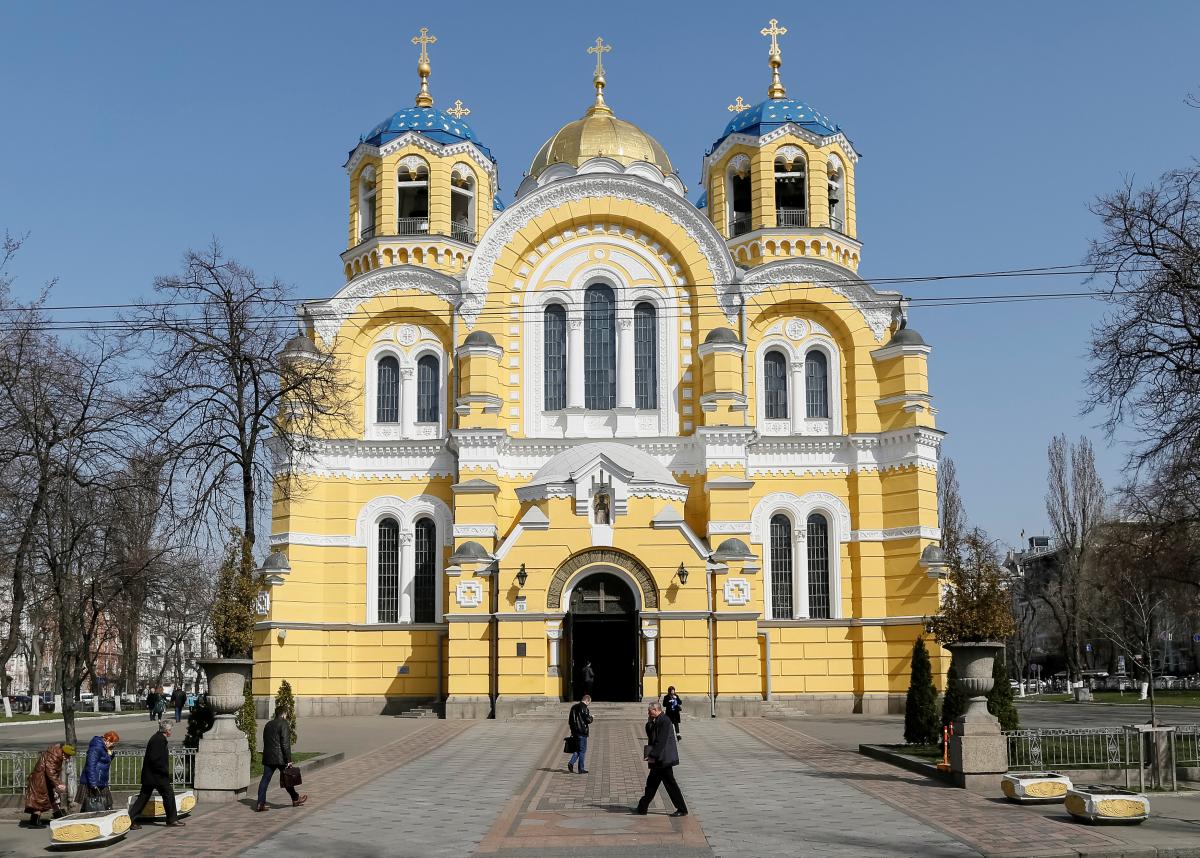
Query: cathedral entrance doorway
602	630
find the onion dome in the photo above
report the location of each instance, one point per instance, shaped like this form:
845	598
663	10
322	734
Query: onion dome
600	134
906	336
480	338
299	347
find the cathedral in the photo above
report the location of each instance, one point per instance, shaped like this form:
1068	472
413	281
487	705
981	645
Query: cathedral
678	440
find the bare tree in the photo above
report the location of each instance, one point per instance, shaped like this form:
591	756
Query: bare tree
952	515
178	609
1075	506
1145	370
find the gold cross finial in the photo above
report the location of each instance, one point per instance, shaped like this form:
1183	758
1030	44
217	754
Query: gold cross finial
599	49
458	111
738	106
424	99
775	58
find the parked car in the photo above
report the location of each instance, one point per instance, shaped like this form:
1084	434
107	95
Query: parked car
20	702
85	699
108	704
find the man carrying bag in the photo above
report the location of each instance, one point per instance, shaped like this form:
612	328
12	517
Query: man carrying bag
277	756
579	720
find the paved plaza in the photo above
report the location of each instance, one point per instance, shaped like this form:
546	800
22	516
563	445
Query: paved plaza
755	787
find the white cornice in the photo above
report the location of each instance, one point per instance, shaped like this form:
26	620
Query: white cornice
329	315
788	128
441	150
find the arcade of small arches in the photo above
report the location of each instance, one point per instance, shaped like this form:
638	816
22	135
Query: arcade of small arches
791	193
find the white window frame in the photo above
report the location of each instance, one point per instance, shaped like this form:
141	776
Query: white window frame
406	513
797	421
797	508
407	426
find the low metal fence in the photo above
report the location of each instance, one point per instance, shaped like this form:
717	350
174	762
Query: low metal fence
1187	745
1093	748
124	773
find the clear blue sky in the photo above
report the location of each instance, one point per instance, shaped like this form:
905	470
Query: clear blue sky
130	131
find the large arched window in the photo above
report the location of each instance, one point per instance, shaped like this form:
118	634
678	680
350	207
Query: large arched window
775	385
428	390
599	348
424	571
645	356
781	568
816	384
554	356
818	567
462	204
366	204
388	562
387	390
412	197
837	192
738	196
791	197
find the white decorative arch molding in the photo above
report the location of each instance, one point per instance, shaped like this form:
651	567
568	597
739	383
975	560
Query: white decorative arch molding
406	512
414	164
682	213
799	508
329	316
876	307
739	165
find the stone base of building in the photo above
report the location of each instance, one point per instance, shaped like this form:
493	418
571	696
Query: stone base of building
332	707
737	706
837	704
460	707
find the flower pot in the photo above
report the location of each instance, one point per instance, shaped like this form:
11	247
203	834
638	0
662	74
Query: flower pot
1098	803
973	663
1035	787
227	679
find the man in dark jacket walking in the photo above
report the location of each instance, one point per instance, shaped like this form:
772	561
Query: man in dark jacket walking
579	721
156	776
277	756
178	699
662	755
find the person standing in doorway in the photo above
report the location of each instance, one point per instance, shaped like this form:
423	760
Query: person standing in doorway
589	679
156	777
580	720
662	755
673	706
277	756
178	700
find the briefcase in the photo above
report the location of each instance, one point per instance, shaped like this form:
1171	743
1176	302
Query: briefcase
290	777
570	745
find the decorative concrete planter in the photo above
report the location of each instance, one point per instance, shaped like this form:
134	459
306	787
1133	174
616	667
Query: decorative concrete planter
978	752
89	829
973	663
227	679
185	803
1098	803
1035	787
223	758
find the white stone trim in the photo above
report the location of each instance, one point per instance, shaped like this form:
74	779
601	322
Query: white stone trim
785	130
329	315
797	421
600	165
406	512
798	508
321	540
888	534
588	571
441	150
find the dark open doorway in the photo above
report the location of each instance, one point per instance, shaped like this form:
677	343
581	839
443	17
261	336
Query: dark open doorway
602	628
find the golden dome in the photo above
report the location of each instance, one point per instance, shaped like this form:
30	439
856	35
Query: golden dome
600	134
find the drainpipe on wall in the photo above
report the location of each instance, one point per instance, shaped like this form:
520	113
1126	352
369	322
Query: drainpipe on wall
766	636
742	336
712	681
452	375
494	586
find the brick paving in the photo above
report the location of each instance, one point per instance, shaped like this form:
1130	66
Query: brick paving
240	827
993	827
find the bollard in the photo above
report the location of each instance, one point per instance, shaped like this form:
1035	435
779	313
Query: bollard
947	732
7	708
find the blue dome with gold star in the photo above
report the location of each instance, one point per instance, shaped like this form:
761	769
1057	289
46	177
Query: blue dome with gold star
768	115
435	124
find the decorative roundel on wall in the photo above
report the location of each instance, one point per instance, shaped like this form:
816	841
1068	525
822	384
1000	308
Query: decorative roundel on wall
796	329
599	254
406	335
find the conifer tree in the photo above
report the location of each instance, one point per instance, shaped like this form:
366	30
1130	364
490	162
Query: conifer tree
920	711
1000	699
955	702
287	700
246	722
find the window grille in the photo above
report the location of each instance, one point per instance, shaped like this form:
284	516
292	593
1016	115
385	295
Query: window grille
428	389
424	577
816	384
645	356
599	349
389	570
775	385
818	567
387	393
781	568
554	355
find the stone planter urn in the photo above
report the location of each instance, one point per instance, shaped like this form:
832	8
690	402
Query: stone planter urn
978	752
223	759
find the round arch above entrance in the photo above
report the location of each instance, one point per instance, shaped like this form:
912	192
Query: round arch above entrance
629	568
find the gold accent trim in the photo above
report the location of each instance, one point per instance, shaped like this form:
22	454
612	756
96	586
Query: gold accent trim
599	49
738	106
424	99
458	111
775	58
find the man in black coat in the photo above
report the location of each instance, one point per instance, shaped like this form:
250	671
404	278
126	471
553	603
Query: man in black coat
579	722
662	755
156	775
277	756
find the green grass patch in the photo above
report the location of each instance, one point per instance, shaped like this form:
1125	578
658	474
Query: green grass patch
1128	698
256	768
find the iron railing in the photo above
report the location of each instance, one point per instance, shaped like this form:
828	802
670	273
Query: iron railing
366	232
837	223
1187	745
791	217
462	232
412	226
124	774
1087	748
739	224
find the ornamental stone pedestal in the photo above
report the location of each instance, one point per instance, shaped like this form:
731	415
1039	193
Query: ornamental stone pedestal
223	759
978	752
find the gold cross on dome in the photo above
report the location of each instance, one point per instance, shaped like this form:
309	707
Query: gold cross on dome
458	111
774	31
738	106
424	39
599	49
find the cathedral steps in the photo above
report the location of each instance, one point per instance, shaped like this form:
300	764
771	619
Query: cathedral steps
782	709
425	710
558	710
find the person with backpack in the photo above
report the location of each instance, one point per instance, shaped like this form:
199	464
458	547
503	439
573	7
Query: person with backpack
579	721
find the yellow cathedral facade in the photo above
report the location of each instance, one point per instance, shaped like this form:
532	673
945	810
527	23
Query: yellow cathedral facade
679	441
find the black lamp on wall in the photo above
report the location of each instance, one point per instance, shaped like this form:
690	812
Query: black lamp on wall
522	576
682	574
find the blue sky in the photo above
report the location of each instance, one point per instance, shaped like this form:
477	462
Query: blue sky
131	131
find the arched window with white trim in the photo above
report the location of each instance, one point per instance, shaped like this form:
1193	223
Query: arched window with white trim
781	567
554	357
366	204
428	390
387	555
424	571
645	356
387	390
837	194
775	384
599	348
816	384
738	196
412	197
462	203
818	567
791	190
